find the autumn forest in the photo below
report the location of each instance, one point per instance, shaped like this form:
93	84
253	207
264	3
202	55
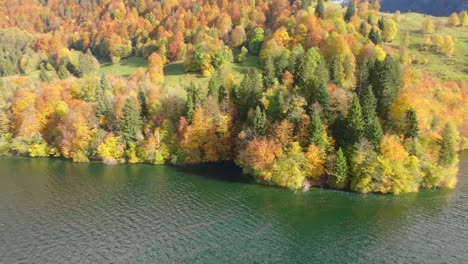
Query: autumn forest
296	93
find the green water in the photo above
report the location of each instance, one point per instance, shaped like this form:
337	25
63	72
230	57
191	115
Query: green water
54	211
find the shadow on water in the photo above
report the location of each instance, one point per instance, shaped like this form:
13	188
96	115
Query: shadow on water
226	171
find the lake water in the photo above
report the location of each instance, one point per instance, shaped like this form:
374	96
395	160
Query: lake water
54	211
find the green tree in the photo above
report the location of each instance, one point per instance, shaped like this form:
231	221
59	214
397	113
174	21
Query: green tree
268	70
312	78
340	169
354	123
194	99
63	72
373	132
130	123
411	124
317	133
215	84
350	11
248	93
105	83
374	36
259	121
256	41
144	108
385	79
447	154
320	9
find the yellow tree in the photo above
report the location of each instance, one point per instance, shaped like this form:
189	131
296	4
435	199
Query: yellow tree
454	20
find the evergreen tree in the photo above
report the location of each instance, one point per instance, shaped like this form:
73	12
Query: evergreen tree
373	132
130	123
381	24
105	83
297	55
320	9
385	79
336	71
248	93
268	70
259	121
364	68
316	132
194	99
447	154
363	28
143	104
411	126
350	11
354	123
215	84
312	78
369	105
340	170
63	72
256	41
374	36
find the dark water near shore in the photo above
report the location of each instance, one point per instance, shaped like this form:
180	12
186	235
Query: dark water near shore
53	211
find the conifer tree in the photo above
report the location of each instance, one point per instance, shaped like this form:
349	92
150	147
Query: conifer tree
373	132
105	83
411	126
194	99
385	79
268	70
374	36
214	84
354	123
447	154
320	9
369	105
130	123
248	93
143	104
340	170
63	72
259	121
350	11
316	132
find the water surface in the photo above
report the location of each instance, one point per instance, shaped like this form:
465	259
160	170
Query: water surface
54	211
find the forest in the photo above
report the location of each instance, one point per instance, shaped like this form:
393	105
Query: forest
296	93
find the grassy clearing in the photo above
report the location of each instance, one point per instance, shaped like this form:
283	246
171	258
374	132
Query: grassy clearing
125	67
454	67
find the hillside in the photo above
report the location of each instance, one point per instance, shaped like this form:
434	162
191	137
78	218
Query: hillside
297	94
429	7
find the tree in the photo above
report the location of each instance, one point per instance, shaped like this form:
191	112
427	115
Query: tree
144	107
354	122
268	69
340	169
385	79
411	124
289	167
130	124
374	36
373	132
259	121
248	93
194	99
317	134
447	154
454	20
155	67
238	36
350	11
428	26
390	30
256	41
315	164
463	18
320	9
215	84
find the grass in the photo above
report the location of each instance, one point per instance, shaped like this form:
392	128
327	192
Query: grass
174	73
453	67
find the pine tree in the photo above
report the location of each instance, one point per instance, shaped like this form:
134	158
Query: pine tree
316	132
363	28
268	70
354	123
374	36
194	99
350	11
215	84
411	126
369	105
259	121
381	24
336	71
130	123
373	132
362	75
105	83
447	154
143	104
63	72
320	9
248	93
340	170
385	79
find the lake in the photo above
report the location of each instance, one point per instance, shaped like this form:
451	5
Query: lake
55	211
